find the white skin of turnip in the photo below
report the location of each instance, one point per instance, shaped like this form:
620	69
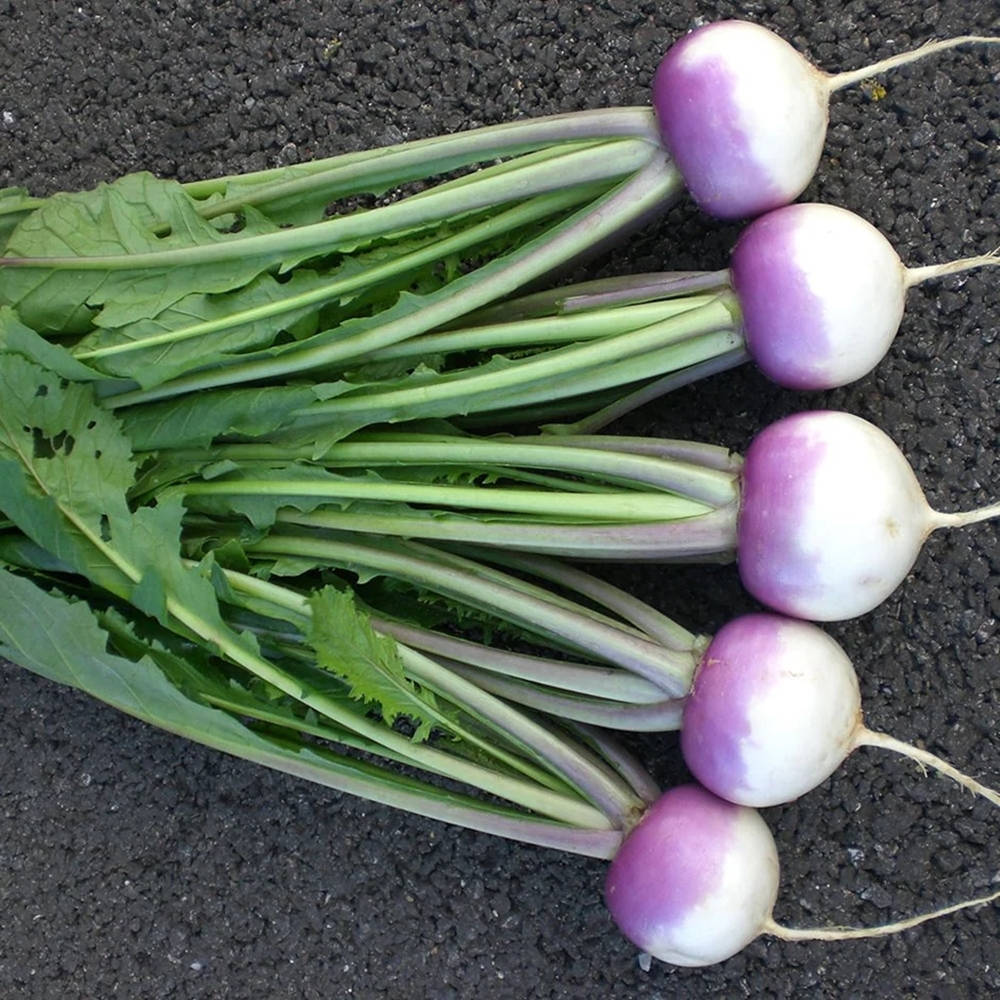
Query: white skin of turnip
745	116
832	516
775	708
697	879
822	293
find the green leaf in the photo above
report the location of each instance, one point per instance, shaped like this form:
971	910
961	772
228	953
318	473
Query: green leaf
65	469
137	214
160	362
347	645
63	642
195	421
201	330
16	204
17	338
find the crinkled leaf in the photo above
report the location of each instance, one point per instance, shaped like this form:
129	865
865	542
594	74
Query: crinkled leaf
346	644
65	469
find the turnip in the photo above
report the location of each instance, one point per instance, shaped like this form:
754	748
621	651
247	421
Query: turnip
821	294
814	295
775	708
173	289
744	115
824	515
832	517
697	879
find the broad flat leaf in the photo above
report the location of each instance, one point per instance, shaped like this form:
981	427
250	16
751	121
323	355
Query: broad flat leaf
195	421
20	339
15	205
158	363
137	214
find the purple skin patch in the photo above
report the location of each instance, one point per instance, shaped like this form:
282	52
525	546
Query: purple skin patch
732	673
782	319
701	128
778	475
669	863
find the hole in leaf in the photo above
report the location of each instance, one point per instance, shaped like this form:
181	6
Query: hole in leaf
59	441
41	445
105	528
42	390
91	424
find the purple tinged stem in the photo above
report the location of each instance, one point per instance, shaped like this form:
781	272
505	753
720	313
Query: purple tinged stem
653	623
460	579
691	538
580	677
423	157
655	717
574	765
624	762
709	456
644	288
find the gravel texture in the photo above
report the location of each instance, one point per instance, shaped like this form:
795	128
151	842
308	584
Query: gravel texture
134	865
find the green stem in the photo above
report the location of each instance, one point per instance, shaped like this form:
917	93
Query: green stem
543	331
389	166
651	189
533	452
347	775
598	294
622	506
375	784
663	667
615	801
602	682
620	602
656	717
615	360
226	644
281	602
599	419
621	759
628	156
525	214
611	797
708	456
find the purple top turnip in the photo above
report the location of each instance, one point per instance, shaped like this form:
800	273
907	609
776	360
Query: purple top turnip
745	116
696	880
832	516
822	292
775	708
